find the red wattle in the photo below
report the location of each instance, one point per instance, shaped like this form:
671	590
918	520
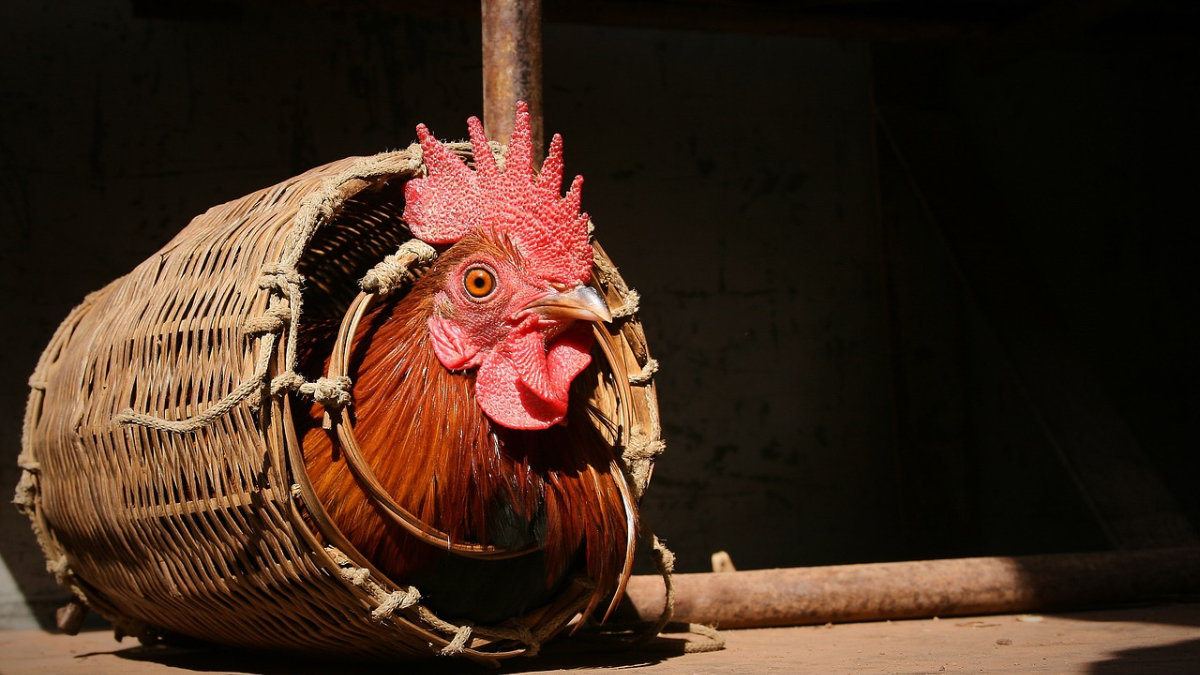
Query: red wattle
524	385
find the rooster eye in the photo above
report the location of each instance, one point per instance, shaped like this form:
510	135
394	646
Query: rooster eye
479	282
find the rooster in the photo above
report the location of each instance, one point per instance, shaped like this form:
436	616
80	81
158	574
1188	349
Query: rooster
463	401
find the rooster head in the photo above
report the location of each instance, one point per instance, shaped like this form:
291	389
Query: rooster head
514	303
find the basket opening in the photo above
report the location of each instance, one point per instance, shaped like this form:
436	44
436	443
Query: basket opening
368	228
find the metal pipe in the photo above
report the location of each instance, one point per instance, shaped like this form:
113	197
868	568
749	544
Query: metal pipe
922	589
512	68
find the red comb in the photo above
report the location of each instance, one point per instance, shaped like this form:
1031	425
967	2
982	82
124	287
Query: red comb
528	207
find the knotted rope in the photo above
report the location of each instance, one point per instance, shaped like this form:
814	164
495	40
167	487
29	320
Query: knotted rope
632	299
395	602
461	640
399	268
646	374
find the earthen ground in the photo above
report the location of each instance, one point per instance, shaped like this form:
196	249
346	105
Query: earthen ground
1162	639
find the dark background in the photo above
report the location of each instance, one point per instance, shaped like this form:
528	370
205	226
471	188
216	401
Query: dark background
920	275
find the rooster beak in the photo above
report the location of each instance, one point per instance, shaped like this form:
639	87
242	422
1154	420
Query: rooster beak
582	303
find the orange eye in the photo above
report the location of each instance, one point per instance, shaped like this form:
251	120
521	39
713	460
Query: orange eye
479	282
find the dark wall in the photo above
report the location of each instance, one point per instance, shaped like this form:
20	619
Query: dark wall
735	181
1037	246
1088	155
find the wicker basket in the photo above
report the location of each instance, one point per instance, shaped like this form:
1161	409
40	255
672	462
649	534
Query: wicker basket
189	520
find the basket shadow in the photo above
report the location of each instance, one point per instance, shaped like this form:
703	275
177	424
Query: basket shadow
563	655
1179	610
1177	657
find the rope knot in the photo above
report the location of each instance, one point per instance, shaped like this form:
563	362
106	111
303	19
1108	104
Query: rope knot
26	493
646	373
279	276
632	300
329	392
398	268
356	576
396	601
28	463
523	635
60	568
272	321
286	381
641	447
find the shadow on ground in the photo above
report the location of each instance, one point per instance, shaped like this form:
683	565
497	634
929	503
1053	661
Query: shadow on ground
1156	659
1167	611
563	655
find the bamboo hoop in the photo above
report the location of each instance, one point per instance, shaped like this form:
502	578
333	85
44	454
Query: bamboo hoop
339	366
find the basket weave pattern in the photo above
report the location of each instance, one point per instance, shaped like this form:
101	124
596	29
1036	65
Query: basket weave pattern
189	519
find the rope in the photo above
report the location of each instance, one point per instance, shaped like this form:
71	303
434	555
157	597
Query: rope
60	567
25	497
255	384
664	562
282	313
646	374
28	463
716	641
399	268
220	408
640	453
513	629
460	642
395	601
330	392
272	321
287	282
280	277
632	299
523	635
286	285
641	448
356	576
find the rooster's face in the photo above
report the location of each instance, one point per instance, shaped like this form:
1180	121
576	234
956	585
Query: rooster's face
514	300
527	335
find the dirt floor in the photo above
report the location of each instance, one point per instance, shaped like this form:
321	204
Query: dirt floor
1163	639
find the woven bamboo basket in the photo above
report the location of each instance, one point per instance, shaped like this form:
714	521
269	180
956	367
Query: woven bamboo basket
190	520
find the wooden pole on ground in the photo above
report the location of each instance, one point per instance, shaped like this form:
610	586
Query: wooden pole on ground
920	589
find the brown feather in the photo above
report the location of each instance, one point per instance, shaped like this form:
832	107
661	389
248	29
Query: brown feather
439	456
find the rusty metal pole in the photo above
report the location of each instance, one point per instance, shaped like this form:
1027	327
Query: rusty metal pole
512	68
921	589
